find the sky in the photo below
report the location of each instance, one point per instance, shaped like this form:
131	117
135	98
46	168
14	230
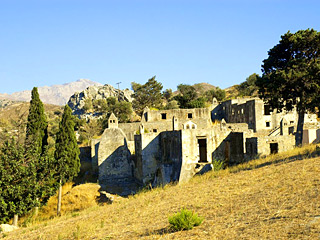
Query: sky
221	42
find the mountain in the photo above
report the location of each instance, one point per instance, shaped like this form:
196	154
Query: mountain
56	94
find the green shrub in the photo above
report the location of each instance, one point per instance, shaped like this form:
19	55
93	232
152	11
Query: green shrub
218	164
184	220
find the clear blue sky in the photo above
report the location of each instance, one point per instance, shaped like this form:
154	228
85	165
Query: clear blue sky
222	42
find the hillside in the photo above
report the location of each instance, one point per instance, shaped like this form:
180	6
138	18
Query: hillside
13	119
56	94
271	198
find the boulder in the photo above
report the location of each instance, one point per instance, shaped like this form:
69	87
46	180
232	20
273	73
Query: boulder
7	228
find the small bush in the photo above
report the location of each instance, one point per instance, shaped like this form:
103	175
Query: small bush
218	164
184	220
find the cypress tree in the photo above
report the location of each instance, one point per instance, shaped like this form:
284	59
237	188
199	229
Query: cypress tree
67	151
37	125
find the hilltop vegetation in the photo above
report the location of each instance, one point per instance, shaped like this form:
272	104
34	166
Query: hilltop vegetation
269	198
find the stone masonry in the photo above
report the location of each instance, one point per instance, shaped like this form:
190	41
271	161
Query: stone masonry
174	145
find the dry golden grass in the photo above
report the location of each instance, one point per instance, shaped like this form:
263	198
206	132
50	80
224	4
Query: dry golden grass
270	198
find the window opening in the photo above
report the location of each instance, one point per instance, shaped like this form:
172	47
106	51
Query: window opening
290	130
163	116
267	110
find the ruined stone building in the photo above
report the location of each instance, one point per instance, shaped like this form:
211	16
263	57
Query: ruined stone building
174	145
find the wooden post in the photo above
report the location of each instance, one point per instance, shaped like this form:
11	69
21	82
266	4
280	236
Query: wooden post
59	198
15	220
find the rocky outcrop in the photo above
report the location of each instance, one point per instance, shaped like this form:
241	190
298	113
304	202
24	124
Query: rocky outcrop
56	94
77	100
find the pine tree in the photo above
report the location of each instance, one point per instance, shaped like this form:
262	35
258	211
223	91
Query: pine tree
67	151
37	125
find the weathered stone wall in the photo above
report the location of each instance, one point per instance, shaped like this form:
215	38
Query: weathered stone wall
94	154
114	158
285	143
170	163
147	150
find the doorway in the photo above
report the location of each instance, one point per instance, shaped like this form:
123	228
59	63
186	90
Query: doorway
202	143
273	148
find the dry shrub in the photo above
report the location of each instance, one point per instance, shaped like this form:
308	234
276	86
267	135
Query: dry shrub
73	199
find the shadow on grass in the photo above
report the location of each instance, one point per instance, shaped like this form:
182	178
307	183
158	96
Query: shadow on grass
161	231
283	159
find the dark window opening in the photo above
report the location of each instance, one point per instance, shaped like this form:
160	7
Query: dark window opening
193	126
267	110
290	130
155	130
291	122
273	148
267	124
189	115
163	116
202	150
188	127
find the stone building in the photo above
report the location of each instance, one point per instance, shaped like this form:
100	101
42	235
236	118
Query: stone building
173	145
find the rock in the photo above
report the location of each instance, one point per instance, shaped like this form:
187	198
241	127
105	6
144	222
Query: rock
77	100
106	197
7	228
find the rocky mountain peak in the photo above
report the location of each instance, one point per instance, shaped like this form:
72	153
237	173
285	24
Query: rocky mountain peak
56	94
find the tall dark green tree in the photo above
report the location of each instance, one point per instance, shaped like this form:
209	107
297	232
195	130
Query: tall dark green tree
148	94
291	75
17	181
37	125
67	151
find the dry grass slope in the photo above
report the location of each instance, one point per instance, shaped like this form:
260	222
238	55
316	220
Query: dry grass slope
271	198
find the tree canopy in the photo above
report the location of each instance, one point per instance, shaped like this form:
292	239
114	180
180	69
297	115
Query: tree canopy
249	87
148	94
291	74
188	97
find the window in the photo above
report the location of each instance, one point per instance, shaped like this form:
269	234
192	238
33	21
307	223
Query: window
267	124
291	130
189	115
291	122
242	111
155	130
267	110
163	116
